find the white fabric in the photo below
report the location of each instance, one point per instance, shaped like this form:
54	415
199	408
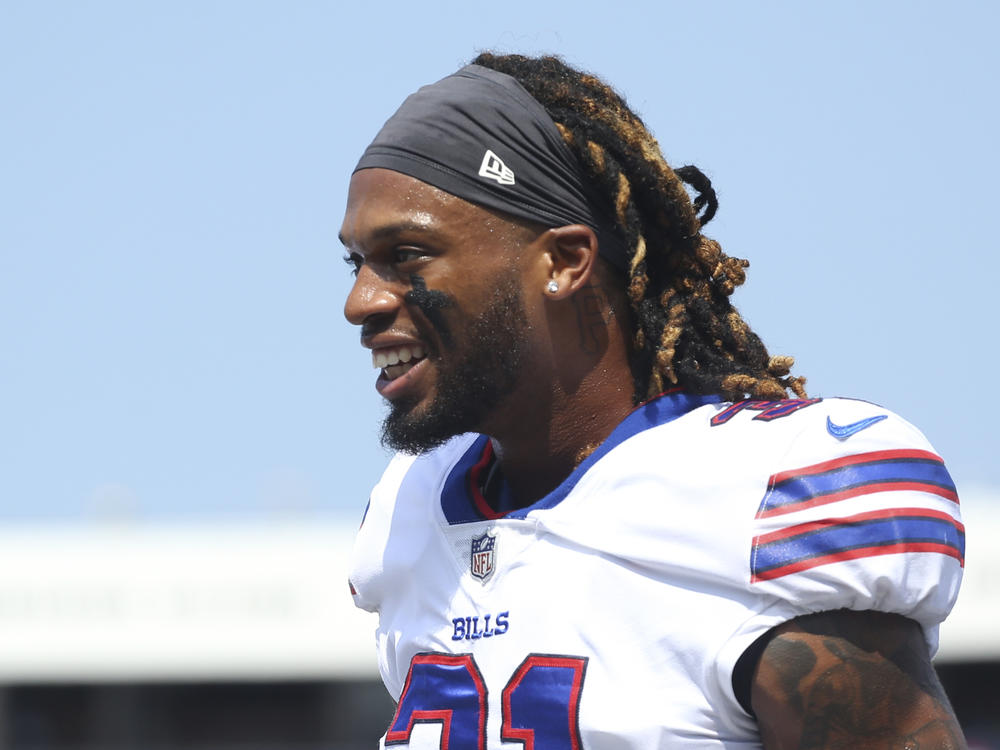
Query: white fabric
644	569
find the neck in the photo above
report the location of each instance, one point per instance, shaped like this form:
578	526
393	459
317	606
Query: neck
579	390
539	449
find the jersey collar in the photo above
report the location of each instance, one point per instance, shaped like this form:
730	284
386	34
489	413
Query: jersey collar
462	501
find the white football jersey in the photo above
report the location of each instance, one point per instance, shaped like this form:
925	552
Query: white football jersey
611	613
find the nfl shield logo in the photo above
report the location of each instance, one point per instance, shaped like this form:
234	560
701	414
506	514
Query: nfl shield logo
483	556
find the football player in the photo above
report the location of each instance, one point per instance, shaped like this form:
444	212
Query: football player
614	519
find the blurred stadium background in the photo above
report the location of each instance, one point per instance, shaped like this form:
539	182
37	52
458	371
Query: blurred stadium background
118	635
206	636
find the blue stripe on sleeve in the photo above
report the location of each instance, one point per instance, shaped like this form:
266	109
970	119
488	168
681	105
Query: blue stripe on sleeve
842	537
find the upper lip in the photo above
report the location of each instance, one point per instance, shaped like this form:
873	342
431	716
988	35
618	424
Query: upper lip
390	341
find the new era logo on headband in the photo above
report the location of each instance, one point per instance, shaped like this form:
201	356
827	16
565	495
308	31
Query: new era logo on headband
494	168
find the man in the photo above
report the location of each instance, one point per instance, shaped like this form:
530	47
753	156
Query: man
608	525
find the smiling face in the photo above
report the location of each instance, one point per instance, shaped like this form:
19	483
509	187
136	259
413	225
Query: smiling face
439	298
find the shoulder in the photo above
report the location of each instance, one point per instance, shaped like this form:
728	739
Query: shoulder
770	432
758	454
810	451
813	505
860	513
846	448
854	511
814	427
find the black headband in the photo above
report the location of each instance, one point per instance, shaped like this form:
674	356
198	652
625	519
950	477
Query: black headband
478	135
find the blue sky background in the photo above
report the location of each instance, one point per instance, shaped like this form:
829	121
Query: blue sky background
173	175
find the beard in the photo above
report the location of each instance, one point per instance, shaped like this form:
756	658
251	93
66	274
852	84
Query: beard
483	367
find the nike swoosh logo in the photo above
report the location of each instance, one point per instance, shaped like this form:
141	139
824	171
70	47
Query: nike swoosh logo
842	432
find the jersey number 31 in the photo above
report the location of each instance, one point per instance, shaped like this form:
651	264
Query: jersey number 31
541	702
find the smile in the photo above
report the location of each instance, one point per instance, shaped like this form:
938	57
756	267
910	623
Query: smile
397	360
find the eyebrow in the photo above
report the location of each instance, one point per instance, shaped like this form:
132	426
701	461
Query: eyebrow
391	230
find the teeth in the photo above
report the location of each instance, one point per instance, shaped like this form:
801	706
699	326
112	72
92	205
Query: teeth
384	358
394	371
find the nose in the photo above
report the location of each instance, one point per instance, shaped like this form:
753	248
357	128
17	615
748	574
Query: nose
371	296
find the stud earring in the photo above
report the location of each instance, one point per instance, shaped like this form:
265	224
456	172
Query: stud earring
552	287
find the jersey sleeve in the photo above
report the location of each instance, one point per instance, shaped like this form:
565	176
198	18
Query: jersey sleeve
861	514
858	513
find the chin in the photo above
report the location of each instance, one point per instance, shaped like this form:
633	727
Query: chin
412	430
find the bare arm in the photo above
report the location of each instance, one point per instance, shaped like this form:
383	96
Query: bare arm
848	679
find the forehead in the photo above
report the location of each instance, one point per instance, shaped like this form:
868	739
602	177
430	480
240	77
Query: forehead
380	200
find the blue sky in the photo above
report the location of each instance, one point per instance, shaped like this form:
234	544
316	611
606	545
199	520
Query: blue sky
173	176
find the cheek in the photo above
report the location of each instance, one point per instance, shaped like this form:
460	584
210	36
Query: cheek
427	300
432	304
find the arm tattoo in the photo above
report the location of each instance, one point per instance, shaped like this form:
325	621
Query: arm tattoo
797	661
592	316
852	679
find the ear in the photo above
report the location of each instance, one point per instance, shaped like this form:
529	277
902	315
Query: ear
570	258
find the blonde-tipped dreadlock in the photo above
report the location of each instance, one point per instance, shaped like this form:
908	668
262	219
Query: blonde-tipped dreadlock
686	331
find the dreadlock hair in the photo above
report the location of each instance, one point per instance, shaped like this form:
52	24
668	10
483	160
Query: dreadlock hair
685	330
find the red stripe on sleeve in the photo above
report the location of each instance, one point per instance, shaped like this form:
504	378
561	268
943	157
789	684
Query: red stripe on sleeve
857	458
865	489
872	515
